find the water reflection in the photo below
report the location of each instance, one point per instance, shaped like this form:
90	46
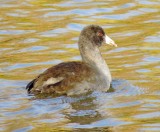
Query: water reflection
38	34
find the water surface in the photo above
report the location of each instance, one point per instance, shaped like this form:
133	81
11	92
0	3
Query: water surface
35	34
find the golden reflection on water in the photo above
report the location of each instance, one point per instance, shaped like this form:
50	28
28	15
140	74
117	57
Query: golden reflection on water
37	34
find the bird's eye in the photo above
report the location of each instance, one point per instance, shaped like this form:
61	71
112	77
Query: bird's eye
100	34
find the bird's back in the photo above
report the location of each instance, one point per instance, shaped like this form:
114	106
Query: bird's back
60	78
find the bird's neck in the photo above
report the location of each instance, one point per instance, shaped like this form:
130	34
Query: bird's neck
92	56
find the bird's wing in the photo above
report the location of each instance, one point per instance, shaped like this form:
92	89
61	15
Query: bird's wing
59	78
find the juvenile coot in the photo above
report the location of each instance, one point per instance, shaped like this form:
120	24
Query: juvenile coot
92	73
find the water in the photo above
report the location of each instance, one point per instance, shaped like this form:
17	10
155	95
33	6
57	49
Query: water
37	34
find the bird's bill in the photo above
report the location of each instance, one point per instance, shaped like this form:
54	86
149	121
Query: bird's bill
109	41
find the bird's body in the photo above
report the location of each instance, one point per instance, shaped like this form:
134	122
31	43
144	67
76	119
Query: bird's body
61	78
77	77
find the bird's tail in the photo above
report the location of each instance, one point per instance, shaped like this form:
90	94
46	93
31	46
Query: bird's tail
30	85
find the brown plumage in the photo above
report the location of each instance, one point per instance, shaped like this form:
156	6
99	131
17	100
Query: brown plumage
77	77
68	71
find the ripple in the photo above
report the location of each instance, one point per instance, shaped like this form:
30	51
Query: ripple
31	40
24	129
146	61
152	59
102	123
75	27
147	115
129	103
59	51
84	113
25	65
153	20
3	5
143	70
18	66
127	5
5	49
121	49
33	48
81	3
54	32
147	2
77	58
81	12
7	105
16	15
15	32
120	16
153	128
152	39
74	46
148	10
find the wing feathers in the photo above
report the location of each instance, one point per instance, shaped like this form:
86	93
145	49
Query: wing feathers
52	81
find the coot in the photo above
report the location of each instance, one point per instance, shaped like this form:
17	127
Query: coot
70	78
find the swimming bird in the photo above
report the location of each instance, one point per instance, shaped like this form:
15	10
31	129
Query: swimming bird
76	77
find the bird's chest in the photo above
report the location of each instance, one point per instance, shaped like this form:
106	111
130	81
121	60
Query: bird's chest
90	84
